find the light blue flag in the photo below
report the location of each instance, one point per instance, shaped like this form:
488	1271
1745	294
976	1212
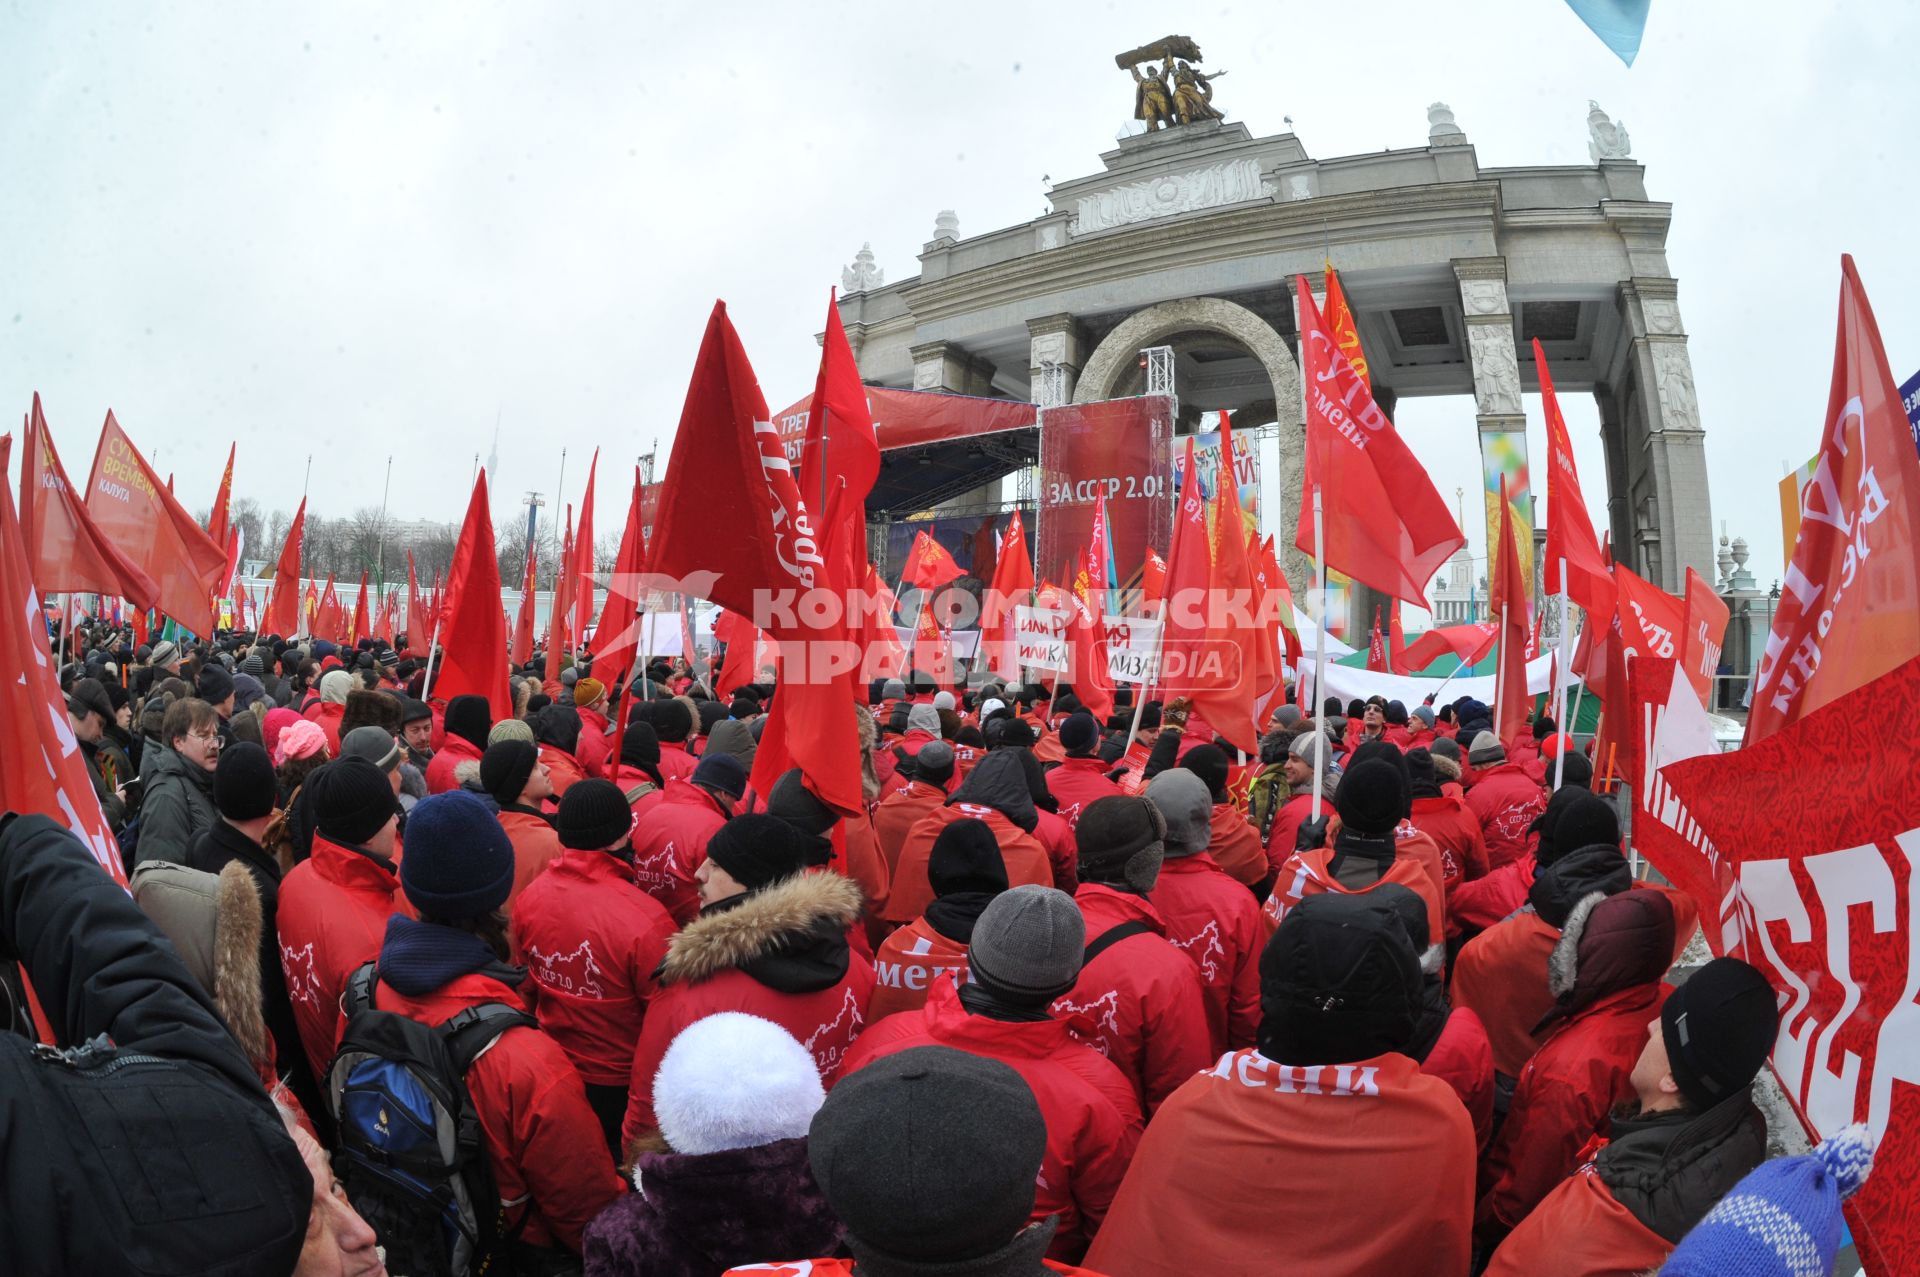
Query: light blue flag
1618	23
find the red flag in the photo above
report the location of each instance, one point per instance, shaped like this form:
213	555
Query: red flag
884	656
742	664
1087	641
218	523
126	500
929	566
330	620
727	456
1569	529
310	611
1385	524
474	634
1183	633
1345	334
417	637
1469	643
1227	703
1011	587
840	458
1269	676
584	553
283	607
1510	676
1376	646
65	550
521	650
1850	605
362	617
932	650
1702	632
560	617
616	640
387	607
41	769
1396	641
1153	578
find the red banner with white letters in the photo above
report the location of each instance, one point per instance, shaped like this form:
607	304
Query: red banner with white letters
1120	449
1804	845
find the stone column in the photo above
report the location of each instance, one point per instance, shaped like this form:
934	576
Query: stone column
1493	353
1060	341
946	365
1671	520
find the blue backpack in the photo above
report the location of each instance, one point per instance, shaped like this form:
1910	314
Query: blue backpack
411	1153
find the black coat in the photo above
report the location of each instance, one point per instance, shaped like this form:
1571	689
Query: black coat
172	1160
1670	1168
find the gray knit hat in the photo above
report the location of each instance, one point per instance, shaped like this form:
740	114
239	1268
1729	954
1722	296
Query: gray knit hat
1486	749
1028	943
1187	806
1122	841
510	729
1304	744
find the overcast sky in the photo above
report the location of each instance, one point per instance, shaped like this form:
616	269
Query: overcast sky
369	229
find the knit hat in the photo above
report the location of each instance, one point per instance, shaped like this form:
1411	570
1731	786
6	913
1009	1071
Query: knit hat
1080	733
1783	1219
757	850
352	800
722	773
459	863
641	745
1028	944
298	739
672	720
1209	763
934	763
1340	981
731	1081
929	1158
165	652
1371	798
510	729
505	767
943	700
1016	733
243	782
799	806
593	815
1121	841
375	744
1486	750
892	690
215	685
1719	1028
334	686
1306	744
1445	747
587	692
469	717
1574	818
1424	713
1186	807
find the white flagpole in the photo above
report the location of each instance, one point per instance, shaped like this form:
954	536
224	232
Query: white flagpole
1319	651
1560	675
426	684
1500	667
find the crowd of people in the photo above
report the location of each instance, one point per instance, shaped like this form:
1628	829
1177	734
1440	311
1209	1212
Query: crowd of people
538	995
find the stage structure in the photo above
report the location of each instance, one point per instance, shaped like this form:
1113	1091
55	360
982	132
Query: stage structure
1175	263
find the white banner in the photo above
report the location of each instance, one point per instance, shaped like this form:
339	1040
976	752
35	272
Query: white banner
1040	638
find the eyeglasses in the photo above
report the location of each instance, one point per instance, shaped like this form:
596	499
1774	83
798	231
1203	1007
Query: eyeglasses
210	739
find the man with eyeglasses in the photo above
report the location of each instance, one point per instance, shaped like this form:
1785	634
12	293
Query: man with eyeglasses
179	794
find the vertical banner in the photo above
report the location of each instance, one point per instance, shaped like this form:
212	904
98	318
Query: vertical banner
1791	490
1121	448
1503	456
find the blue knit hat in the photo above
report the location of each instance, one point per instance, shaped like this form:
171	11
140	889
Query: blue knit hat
1783	1219
458	861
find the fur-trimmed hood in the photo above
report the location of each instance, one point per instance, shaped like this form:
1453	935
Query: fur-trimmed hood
214	922
1610	943
790	936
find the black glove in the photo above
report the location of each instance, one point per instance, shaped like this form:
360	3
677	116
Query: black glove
1312	834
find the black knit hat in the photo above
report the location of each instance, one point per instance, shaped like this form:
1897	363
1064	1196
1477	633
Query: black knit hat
459	861
1371	798
352	800
1080	733
593	815
934	763
1339	982
929	1159
641	745
758	849
1121	842
1719	1028
799	806
672	720
243	782
722	773
1209	763
1574	818
470	718
215	685
505	767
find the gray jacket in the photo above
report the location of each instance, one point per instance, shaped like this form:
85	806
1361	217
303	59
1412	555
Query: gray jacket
178	804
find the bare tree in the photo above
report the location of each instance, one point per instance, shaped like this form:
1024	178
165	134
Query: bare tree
277	525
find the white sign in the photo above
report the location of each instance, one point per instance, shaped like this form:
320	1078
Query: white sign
1040	638
1131	643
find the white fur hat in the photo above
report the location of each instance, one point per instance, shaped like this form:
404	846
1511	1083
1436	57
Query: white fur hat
735	1080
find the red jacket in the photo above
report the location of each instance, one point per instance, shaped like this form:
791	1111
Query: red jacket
332	915
671	844
1479	904
1505	800
1235	845
1501	975
1063	853
1092	1114
1142	996
1305	874
563	770
543	1141
594	749
703	975
1462	1059
451	753
1217	922
1580	1230
910	893
1285	830
1077	782
675	762
910	961
899	812
535	844
1582	1069
592	942
1338	1170
1456	831
326	715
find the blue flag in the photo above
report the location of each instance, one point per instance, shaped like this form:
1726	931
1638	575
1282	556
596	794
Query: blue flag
1618	23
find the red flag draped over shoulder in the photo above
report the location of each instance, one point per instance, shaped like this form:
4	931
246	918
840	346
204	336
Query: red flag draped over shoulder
1569	529
1510	681
65	550
474	634
283	609
727	456
134	509
584	553
41	769
1850	604
616	639
1386	525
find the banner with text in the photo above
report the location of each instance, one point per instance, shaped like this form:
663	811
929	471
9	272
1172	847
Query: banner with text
1121	448
1246	472
1503	456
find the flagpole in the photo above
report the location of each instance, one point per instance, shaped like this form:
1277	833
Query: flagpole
426	684
1319	651
1152	672
1560	674
1500	665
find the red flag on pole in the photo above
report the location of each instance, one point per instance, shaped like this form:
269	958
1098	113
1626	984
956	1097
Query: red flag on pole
932	652
884	656
474	633
1468	643
1012	586
742	663
616	639
218	522
132	509
41	769
1510	679
1227	703
283	607
1269	676
840	458
521	650
65	550
1396	641
929	566
1569	530
584	553
330	621
1183	632
1702	633
387	607
1850	604
416	611
362	614
1376	646
559	619
1385	524
1153	577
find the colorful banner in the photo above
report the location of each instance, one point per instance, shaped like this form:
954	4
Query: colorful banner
1503	456
1246	473
1813	883
1121	448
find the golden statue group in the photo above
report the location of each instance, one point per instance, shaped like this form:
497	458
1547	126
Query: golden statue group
1175	91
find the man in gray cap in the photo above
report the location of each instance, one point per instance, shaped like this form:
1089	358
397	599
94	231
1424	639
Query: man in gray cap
1208	915
1027	950
1504	798
89	712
